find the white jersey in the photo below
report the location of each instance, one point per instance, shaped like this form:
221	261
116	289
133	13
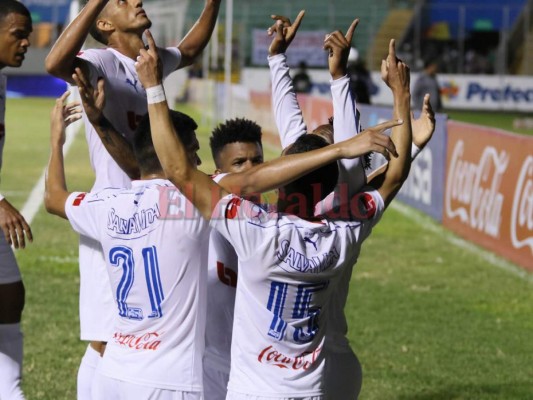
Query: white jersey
287	275
221	288
125	105
154	242
346	124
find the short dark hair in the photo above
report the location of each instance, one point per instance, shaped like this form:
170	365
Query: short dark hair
13	7
232	131
94	31
143	146
324	178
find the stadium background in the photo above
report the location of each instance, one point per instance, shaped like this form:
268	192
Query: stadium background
476	181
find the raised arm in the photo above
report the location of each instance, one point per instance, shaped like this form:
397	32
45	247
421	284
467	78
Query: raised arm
198	187
423	129
397	76
197	38
62	59
117	146
287	113
56	193
283	170
346	122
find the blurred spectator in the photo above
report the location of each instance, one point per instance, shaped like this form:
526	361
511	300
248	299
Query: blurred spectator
361	84
302	81
427	83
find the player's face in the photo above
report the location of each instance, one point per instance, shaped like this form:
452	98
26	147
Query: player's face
127	15
15	30
239	157
192	153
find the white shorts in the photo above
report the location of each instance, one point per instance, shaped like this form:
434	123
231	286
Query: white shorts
343	376
97	306
9	270
240	396
105	388
215	382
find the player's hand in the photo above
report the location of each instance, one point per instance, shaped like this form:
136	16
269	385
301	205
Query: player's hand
394	72
424	126
62	115
372	140
93	99
14	226
148	65
338	47
284	33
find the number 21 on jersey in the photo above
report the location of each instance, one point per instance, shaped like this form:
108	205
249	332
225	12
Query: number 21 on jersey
122	256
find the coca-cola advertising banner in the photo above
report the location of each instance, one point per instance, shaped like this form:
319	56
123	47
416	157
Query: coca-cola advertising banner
489	190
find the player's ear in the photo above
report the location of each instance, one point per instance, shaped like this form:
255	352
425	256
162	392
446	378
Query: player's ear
217	171
105	26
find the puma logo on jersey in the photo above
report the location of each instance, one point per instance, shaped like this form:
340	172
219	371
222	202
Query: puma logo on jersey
308	240
133	84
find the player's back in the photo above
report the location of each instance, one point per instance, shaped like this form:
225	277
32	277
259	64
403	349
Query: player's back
153	240
287	275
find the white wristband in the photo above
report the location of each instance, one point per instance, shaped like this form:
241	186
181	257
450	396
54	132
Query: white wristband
1	197
414	151
155	94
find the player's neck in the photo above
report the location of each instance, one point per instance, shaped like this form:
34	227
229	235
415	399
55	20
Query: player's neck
147	177
128	44
297	209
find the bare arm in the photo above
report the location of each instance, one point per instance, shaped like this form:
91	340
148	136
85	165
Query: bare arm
201	190
198	187
192	45
62	59
423	128
56	193
396	75
283	170
116	145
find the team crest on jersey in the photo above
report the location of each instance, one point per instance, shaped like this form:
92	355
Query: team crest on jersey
78	199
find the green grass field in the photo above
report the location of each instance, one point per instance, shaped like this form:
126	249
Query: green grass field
428	319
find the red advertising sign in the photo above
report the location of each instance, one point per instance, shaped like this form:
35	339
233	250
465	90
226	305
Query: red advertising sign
489	190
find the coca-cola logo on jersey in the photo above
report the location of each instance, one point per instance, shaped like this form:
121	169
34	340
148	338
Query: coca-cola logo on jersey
473	191
146	341
522	210
305	361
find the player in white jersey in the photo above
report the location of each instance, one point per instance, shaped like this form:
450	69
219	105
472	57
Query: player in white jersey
235	146
119	26
155	244
343	372
279	330
15	29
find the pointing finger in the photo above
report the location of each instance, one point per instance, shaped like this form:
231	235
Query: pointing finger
351	30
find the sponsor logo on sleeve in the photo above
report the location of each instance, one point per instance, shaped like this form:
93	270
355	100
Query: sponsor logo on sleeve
232	208
78	199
